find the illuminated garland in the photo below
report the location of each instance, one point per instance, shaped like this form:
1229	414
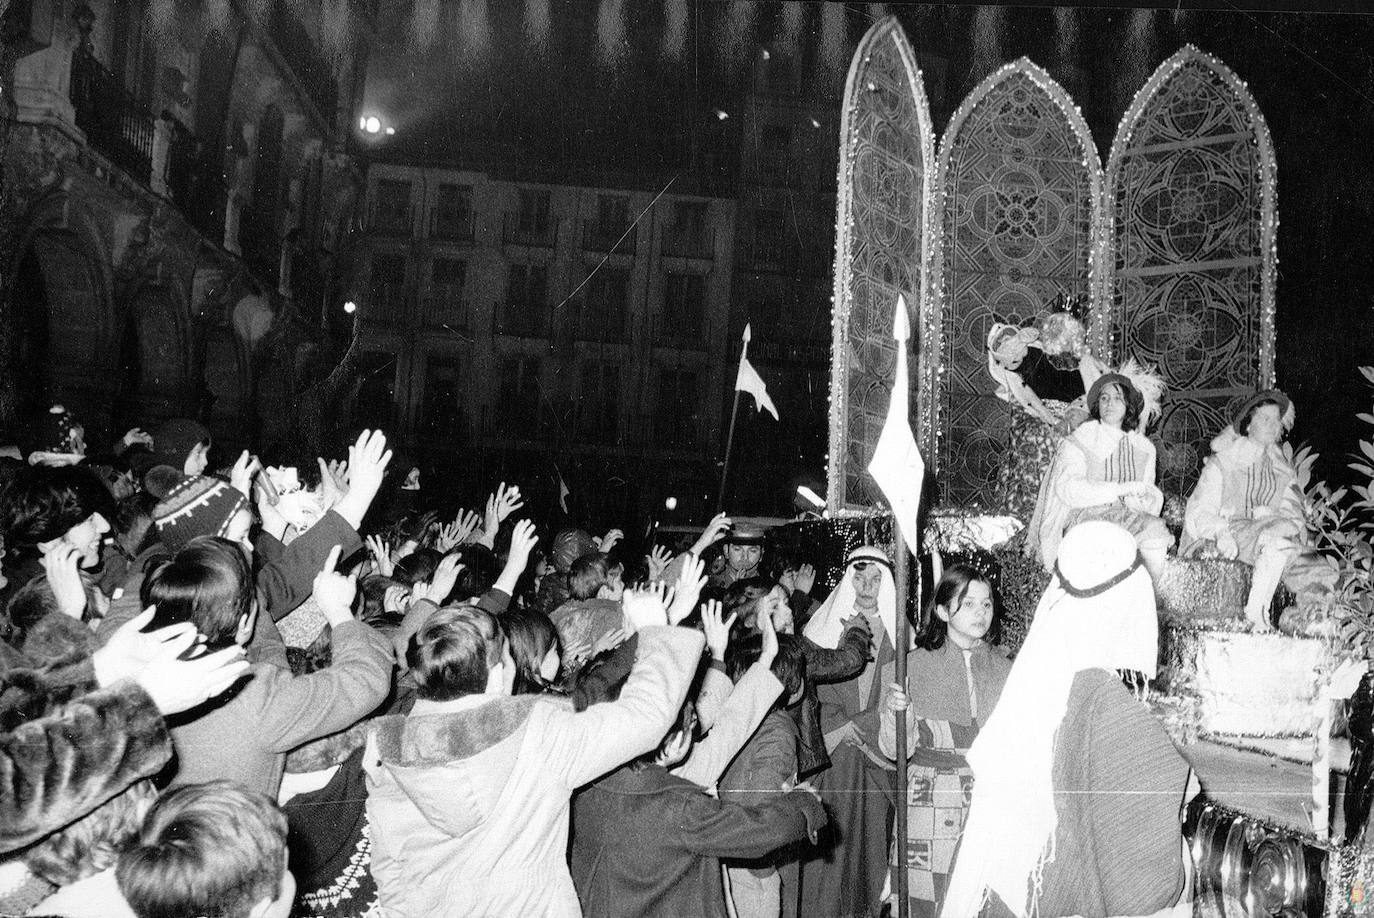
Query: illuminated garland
856	85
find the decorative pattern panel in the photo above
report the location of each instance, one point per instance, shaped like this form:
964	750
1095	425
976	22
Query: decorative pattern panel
1020	186
887	148
1190	228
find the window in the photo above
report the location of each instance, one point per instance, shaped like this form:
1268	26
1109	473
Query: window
612	212
603	309
517	412
526	309
445	304
684	296
676	422
453	212
388	283
689	234
441	416
689	217
599	404
534	211
391	208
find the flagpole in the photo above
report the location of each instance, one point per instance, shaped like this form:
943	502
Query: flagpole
729	444
900	575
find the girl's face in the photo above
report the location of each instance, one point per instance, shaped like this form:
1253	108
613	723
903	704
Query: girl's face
776	603
198	459
1111	406
1266	425
971	620
548	668
86	537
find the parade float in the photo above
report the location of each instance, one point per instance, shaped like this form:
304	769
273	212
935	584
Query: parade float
1167	254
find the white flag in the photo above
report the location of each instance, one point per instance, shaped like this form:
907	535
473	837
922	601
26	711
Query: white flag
748	380
563	491
897	465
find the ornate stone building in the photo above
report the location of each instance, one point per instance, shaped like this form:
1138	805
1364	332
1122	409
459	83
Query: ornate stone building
177	193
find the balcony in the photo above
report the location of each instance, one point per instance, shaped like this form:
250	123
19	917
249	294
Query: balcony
444	307
524	229
602	237
451	227
310	66
114	122
677	242
521	320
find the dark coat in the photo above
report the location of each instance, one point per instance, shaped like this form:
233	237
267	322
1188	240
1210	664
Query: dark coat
648	843
824	666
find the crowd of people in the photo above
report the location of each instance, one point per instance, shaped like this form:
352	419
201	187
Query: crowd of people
266	692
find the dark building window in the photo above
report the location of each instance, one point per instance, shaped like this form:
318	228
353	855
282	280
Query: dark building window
676	422
391	209
441	416
453	212
526	310
445	304
599	404
388	284
534	211
684	298
602	316
517	413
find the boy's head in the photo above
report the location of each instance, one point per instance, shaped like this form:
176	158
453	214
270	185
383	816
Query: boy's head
209	583
460	651
44	509
589	574
209	849
90	844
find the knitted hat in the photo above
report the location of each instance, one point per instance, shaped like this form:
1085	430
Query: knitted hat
174	440
1286	414
54	431
198	506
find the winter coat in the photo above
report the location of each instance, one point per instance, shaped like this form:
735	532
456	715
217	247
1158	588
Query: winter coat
646	843
67	746
469	799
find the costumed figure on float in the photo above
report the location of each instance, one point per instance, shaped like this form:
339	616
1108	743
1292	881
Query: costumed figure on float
1247	505
1105	470
1077	788
846	877
1044	371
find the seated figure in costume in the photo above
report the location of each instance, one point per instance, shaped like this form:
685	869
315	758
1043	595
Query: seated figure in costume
1077	789
1247	505
1046	372
1105	470
846	876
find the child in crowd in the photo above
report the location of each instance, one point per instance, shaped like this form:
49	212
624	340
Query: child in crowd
648	843
246	738
209	849
954	678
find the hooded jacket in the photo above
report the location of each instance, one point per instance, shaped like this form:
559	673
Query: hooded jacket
469	799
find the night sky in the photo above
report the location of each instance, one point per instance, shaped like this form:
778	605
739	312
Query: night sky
625	90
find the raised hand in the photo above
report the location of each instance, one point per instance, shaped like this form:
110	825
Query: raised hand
331	491
442	583
609	540
523	538
717	631
241	476
367	462
769	651
466	522
177	685
715	531
806	578
644	608
380	550
334	592
658	560
136	435
62	566
690	583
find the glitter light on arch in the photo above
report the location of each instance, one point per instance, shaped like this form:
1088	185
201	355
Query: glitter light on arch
1018	191
1190	227
882	248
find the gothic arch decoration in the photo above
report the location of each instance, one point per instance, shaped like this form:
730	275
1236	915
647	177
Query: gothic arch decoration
158	368
881	248
1019	186
1190	228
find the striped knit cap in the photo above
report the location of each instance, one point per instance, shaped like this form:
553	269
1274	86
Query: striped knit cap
198	506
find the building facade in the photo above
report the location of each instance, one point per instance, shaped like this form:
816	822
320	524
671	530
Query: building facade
177	197
531	330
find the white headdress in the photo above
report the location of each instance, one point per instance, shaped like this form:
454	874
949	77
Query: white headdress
827	625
